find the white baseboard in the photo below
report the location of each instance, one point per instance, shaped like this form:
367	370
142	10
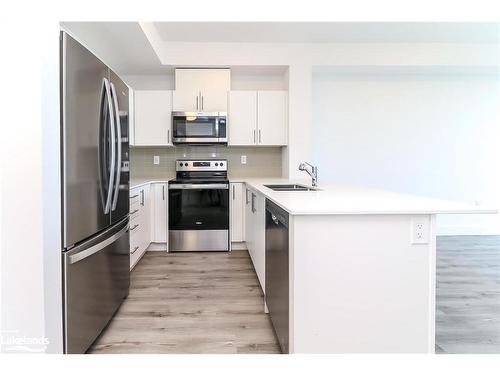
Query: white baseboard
157	246
467	230
238	246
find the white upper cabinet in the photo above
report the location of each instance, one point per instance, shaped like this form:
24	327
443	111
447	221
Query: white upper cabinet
258	118
272	118
152	117
131	117
201	90
213	100
242	118
186	101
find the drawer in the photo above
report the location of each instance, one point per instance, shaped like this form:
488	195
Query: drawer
135	227
134	196
134	244
135	209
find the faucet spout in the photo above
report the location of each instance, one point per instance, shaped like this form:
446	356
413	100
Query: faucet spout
311	171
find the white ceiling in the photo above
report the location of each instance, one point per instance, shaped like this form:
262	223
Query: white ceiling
126	49
328	32
123	46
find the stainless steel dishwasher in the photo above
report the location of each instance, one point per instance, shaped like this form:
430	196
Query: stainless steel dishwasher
277	271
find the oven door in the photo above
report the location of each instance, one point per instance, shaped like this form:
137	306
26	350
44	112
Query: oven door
198	217
197	127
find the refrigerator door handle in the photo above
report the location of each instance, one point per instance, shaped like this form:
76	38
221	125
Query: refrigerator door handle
102	136
119	146
112	142
96	248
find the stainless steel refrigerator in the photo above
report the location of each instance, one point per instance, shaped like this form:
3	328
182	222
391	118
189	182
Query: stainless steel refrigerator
95	194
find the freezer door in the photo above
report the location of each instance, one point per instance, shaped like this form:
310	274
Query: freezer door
120	201
96	280
87	151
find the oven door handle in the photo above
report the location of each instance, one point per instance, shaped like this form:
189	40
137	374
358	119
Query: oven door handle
197	186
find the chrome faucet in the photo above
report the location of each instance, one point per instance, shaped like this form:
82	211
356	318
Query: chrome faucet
311	171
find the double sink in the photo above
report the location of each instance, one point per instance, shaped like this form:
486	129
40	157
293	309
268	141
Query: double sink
290	187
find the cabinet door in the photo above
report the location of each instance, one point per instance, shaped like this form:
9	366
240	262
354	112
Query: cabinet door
213	100
186	101
259	228
145	223
131	117
153	118
242	121
159	207
272	118
237	213
248	220
218	79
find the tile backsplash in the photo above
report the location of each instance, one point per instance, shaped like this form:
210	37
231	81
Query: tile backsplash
261	161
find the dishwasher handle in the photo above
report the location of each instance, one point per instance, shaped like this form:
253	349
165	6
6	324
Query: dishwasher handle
278	215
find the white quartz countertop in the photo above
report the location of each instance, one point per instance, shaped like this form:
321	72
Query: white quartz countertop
136	182
336	199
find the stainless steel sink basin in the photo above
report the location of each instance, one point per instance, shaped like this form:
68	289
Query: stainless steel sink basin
290	188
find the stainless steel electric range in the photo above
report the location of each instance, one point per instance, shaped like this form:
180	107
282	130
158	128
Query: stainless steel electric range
198	206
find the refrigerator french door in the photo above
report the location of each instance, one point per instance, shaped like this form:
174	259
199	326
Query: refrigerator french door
95	197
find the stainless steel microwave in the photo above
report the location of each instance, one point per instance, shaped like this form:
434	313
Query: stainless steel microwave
199	127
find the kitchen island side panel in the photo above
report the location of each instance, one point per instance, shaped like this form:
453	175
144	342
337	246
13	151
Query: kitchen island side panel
359	285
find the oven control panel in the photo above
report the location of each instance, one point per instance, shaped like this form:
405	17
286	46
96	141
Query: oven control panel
201	165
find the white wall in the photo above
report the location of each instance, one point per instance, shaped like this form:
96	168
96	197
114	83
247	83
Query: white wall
429	134
150	81
22	293
300	58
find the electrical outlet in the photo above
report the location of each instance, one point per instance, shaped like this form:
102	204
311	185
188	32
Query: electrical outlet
156	160
243	159
420	231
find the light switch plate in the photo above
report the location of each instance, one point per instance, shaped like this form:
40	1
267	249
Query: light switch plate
243	159
156	160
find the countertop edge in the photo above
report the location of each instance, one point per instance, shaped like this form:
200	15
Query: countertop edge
257	187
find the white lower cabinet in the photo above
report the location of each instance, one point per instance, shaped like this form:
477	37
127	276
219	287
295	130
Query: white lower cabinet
140	222
237	212
255	232
159	213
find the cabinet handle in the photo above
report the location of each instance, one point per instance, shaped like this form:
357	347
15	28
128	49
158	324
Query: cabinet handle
233	192
168	135
254	141
142	197
246	197
133	212
134	227
135	249
134	196
197	102
253	203
260	138
202	106
163	191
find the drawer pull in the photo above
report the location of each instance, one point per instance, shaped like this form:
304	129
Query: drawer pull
134	196
135	249
133	212
135	226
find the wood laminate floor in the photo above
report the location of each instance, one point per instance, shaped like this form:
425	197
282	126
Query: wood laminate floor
191	303
468	294
212	303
